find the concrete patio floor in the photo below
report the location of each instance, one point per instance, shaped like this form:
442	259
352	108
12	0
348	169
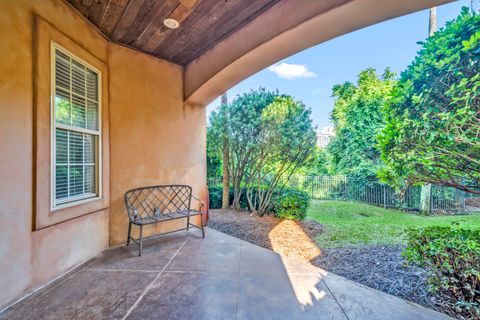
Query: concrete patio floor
182	276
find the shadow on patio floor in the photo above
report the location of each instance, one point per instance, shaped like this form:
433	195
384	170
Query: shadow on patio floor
182	276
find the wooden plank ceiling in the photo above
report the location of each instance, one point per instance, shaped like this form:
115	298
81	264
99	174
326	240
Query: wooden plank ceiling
139	23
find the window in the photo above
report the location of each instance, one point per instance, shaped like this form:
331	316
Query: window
75	130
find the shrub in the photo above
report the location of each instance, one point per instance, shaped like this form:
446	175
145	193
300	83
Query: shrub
291	204
215	197
452	257
285	204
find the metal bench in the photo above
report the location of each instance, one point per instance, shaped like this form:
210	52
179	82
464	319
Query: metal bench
154	204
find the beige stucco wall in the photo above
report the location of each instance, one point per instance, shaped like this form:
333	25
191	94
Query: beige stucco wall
154	138
31	258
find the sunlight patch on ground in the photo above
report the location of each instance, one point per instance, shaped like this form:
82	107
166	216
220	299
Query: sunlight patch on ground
304	248
306	281
307	290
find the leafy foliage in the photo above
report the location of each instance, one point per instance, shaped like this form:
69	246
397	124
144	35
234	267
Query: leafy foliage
269	135
242	118
316	165
433	121
357	114
215	194
285	204
452	255
214	161
291	204
215	197
286	142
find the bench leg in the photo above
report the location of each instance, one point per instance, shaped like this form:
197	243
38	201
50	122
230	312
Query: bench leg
188	222
141	241
129	232
203	225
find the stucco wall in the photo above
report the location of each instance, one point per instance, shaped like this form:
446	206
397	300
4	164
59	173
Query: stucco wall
154	138
31	258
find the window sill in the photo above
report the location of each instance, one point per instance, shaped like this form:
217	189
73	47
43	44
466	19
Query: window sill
70	211
73	203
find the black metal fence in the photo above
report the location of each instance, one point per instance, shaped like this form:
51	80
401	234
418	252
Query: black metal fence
434	199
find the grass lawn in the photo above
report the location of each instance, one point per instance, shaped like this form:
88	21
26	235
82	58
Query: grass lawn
357	224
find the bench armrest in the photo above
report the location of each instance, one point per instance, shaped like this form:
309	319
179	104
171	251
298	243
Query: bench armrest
202	203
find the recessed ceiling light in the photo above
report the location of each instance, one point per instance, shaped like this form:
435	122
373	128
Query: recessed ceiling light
171	23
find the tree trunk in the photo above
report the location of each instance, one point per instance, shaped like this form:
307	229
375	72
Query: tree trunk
426	192
237	193
432	21
426	199
226	161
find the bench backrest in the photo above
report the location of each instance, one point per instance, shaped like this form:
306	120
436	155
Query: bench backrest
153	200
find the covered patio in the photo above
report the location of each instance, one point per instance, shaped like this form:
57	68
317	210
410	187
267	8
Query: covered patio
101	96
182	276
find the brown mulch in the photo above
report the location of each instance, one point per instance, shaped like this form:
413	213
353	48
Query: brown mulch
287	237
379	267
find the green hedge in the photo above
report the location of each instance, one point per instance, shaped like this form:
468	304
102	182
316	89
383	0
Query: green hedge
452	257
216	195
291	204
286	204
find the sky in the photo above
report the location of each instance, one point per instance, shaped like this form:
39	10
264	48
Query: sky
309	76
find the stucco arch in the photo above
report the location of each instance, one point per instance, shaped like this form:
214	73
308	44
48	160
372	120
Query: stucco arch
287	28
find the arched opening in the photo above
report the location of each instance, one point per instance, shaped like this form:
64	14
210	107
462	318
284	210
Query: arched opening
287	28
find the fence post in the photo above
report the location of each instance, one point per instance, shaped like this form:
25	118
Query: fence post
384	197
345	195
311	181
462	199
462	196
426	198
430	196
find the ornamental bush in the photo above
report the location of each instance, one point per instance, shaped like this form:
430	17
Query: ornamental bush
290	204
451	255
285	204
216	195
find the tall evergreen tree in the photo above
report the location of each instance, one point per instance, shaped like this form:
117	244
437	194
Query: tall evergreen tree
357	115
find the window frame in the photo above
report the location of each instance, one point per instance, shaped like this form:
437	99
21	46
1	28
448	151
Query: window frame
74	200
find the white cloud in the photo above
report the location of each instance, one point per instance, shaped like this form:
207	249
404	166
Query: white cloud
291	71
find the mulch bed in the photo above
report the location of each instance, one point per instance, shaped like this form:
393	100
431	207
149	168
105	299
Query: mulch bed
287	237
379	267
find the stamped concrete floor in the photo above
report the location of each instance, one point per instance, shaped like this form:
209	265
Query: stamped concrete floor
182	276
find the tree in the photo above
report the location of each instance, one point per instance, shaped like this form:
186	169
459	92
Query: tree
269	137
433	121
426	192
316	165
432	21
285	142
225	160
357	115
243	119
214	152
